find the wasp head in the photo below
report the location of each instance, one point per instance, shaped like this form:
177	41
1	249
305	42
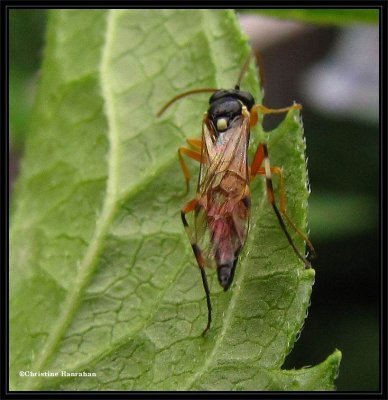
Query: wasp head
226	105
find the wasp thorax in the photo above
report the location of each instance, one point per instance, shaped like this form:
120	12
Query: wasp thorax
223	111
222	124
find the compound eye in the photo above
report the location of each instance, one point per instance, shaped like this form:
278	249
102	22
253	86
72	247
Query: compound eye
222	124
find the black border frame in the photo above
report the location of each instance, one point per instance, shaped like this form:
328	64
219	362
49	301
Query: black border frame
6	5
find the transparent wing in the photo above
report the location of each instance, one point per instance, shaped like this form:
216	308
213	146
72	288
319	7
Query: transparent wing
224	162
222	154
203	236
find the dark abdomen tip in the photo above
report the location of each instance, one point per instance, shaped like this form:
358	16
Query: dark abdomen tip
225	273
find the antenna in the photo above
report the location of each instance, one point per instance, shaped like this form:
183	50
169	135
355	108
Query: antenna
244	69
179	96
206	90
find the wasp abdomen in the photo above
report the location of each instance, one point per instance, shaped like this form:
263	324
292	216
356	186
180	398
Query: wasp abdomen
228	234
225	273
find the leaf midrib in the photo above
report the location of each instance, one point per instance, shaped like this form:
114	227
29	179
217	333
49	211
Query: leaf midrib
108	211
111	203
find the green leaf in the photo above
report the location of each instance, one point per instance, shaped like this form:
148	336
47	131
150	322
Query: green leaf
103	279
325	16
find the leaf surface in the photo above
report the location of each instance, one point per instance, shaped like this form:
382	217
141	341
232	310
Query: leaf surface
103	279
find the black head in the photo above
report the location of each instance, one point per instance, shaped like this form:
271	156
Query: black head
226	105
245	97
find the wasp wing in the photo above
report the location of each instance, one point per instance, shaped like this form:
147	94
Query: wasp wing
223	152
224	165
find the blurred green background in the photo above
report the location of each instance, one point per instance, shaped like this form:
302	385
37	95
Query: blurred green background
343	163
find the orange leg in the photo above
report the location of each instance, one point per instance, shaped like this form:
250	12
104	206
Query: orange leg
265	110
257	160
193	154
196	143
190	206
260	157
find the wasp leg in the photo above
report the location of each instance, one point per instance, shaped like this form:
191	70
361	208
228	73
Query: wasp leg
195	143
265	110
283	209
195	155
260	157
190	206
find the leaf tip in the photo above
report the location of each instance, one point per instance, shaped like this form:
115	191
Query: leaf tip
333	362
335	358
